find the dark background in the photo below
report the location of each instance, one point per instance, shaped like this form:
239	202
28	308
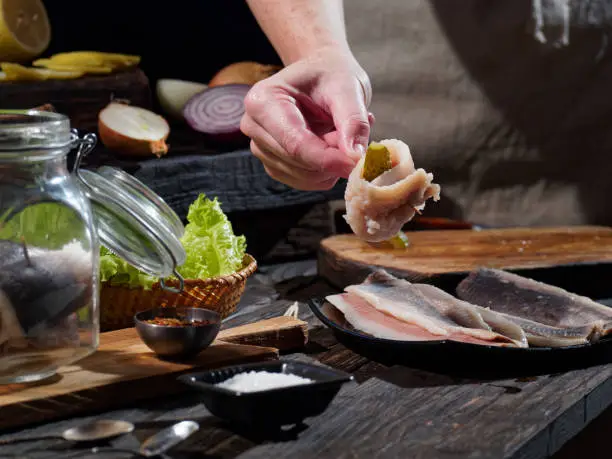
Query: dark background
192	40
189	39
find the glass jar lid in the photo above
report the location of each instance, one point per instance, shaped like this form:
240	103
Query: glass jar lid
132	220
36	131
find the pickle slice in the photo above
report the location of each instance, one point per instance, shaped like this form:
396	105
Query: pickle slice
399	241
377	161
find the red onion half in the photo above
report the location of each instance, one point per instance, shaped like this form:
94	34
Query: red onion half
217	112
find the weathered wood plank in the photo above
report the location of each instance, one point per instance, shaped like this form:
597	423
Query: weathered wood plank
598	400
392	415
594	441
388	412
282	333
467	420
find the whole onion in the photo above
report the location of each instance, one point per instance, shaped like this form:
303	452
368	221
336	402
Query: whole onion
246	72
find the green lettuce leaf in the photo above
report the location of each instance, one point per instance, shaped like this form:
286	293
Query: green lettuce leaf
117	271
210	244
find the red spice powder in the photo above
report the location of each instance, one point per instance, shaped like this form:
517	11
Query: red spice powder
173	322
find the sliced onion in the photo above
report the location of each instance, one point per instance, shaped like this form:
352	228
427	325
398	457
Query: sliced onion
217	112
174	94
133	130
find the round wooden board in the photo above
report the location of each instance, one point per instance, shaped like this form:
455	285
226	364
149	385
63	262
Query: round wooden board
345	259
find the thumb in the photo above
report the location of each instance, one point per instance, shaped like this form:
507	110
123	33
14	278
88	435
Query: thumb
351	119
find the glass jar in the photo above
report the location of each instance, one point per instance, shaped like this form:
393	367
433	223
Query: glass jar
50	224
48	251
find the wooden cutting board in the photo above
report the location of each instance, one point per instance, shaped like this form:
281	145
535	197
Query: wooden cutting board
345	259
124	370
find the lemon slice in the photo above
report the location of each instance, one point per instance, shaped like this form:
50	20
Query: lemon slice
16	72
95	58
25	31
50	64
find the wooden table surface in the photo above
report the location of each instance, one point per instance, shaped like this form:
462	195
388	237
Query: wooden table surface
392	412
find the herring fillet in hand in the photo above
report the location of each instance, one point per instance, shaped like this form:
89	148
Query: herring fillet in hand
392	308
575	317
377	210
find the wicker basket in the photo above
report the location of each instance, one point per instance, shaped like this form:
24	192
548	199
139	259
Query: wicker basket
221	294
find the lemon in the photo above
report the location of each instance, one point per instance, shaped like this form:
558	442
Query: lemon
25	31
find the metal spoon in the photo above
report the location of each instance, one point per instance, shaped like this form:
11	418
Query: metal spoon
101	429
158	443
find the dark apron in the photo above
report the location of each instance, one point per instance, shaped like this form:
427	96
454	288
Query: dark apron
507	102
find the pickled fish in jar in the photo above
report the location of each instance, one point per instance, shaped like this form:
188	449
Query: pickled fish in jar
46	290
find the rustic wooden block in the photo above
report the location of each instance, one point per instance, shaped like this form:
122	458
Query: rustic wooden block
80	99
283	333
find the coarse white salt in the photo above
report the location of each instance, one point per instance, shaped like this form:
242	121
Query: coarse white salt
255	381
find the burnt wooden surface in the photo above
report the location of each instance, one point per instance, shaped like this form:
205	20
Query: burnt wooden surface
80	99
388	412
345	259
285	333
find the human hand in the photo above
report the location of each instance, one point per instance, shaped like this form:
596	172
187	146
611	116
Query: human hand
309	123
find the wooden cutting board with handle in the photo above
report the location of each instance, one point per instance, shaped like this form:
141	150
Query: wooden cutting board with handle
345	259
124	370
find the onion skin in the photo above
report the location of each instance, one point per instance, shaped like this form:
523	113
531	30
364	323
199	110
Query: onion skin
246	72
130	146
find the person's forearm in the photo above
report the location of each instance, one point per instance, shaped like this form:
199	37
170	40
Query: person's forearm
299	28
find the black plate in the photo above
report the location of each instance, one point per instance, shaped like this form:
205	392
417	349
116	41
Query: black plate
462	359
274	407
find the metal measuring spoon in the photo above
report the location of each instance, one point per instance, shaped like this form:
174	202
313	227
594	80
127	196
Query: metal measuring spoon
160	442
92	431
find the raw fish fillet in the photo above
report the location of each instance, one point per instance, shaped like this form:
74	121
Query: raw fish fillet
377	305
541	335
473	316
535	334
361	315
548	314
377	210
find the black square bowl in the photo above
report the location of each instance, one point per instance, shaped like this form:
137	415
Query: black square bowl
274	407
